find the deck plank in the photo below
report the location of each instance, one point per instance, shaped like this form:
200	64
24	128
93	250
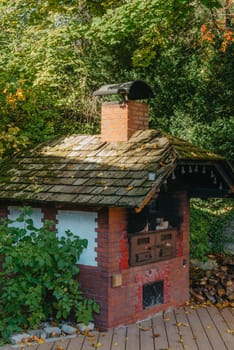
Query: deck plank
75	343
91	340
132	339
146	335
200	335
211	330
228	317
222	327
46	346
159	333
192	328
173	335
119	338
105	339
187	336
61	344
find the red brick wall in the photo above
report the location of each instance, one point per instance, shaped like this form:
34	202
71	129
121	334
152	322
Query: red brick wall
4	212
120	121
123	304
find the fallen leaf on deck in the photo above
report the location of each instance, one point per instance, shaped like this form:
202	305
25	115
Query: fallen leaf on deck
116	343
230	331
181	324
166	319
156	335
24	340
144	329
59	348
96	345
87	334
91	338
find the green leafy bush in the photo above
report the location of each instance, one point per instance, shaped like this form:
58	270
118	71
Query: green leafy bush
199	229
38	276
207	226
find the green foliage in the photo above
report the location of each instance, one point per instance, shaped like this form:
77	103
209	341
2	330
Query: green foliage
207	226
54	54
11	139
38	278
44	70
190	70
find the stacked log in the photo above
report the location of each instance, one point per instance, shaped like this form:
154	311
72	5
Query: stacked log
214	286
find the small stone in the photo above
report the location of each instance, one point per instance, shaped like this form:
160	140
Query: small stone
44	325
18	338
52	332
85	327
68	329
40	333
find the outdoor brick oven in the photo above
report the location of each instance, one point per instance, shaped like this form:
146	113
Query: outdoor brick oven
127	191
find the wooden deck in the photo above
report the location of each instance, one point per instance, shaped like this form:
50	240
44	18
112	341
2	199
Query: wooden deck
200	328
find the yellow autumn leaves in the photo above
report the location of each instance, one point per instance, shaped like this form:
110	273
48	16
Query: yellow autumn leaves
12	98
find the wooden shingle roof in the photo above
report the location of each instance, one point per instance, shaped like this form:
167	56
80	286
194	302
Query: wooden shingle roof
82	170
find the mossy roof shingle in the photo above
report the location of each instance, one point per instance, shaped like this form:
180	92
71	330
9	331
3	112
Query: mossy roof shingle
83	170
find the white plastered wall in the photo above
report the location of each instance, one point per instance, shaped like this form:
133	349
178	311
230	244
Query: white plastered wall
82	224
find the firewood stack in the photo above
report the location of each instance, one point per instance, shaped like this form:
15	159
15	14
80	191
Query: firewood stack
214	286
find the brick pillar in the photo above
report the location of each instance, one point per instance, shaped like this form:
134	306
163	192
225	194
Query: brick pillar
184	229
112	258
120	121
180	280
117	240
50	214
4	212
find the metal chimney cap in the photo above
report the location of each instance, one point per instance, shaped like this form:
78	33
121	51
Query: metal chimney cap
132	90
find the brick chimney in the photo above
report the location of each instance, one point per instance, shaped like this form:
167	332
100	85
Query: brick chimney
119	121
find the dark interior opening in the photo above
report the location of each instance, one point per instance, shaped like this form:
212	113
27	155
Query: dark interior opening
165	206
153	294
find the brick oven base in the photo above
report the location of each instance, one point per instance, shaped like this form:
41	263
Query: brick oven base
124	304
